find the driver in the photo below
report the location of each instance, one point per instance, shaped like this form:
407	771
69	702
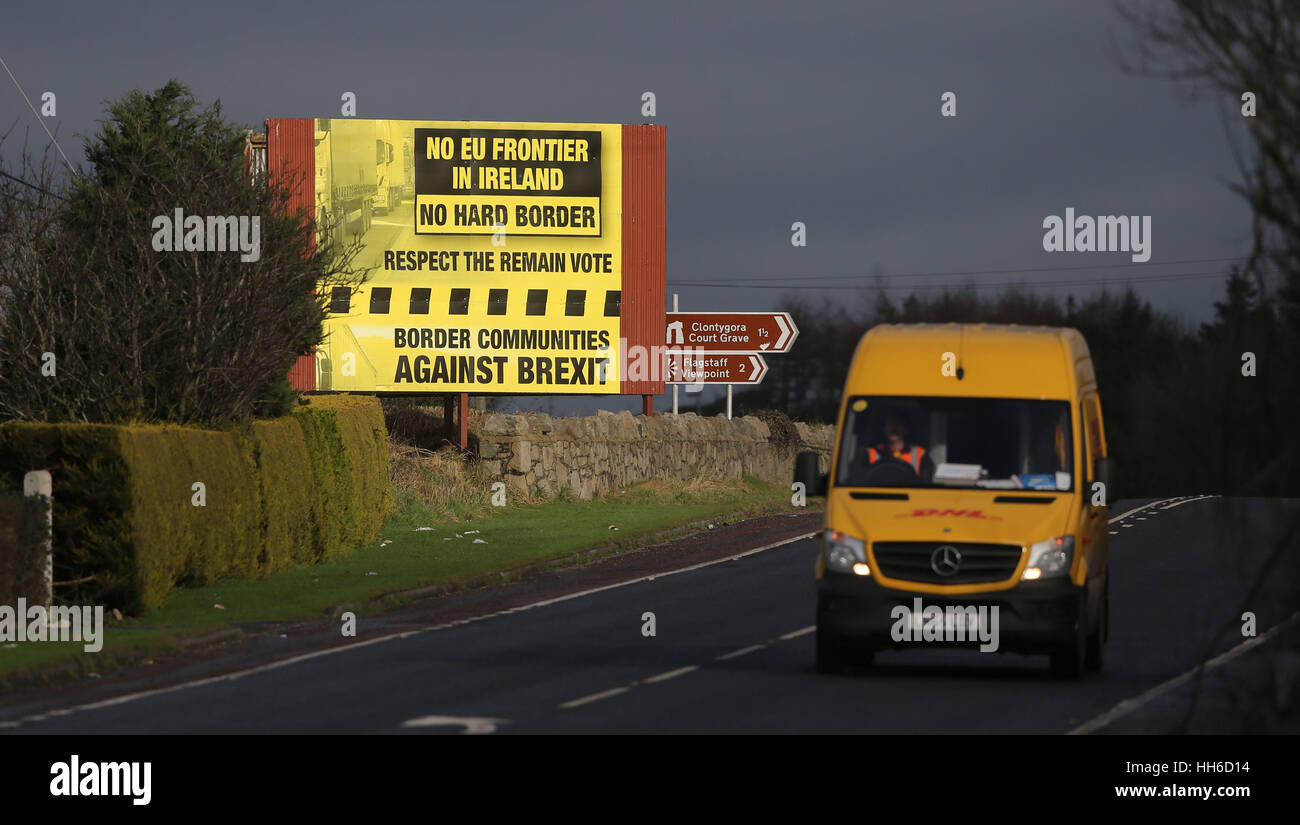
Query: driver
897	445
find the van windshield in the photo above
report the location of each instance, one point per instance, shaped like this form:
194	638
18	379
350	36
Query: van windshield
990	443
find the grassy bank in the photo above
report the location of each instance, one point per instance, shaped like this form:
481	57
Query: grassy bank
444	530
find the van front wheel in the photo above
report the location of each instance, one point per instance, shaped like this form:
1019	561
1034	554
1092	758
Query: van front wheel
1097	639
834	656
1070	660
829	658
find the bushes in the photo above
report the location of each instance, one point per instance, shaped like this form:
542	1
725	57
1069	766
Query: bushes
293	532
287	491
176	540
349	458
92	502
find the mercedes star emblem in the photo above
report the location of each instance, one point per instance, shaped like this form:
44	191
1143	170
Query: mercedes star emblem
945	560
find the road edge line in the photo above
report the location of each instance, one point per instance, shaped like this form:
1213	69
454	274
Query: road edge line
1127	706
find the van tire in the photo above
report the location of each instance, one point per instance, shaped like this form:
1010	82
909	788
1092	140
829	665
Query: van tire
1096	657
830	660
834	656
1069	662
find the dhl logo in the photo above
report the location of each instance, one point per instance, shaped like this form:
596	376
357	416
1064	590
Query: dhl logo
924	513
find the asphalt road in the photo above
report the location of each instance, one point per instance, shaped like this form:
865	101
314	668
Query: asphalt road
733	652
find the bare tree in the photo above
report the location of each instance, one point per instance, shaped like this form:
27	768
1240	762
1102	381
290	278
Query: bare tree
1248	52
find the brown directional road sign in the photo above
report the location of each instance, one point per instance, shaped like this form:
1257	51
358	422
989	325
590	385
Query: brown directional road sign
722	368
732	331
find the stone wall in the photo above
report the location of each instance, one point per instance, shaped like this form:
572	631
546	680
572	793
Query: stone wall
610	450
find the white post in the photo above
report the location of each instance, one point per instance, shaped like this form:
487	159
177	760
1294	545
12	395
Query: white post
674	385
729	402
39	483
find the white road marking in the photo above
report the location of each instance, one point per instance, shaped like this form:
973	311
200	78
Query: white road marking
144	694
744	651
664	677
1169	504
1185	501
1129	705
472	724
1139	509
595	697
681	671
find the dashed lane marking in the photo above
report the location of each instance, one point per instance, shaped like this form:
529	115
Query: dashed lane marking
672	674
1185	501
735	654
595	697
681	671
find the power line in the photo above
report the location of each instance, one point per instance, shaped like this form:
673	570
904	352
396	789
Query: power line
1191	276
39	119
42	190
961	272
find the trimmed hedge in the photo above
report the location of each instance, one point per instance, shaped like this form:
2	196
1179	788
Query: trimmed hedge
285	491
178	542
348	445
292	513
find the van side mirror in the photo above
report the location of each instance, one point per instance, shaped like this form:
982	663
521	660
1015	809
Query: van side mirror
1103	471
806	471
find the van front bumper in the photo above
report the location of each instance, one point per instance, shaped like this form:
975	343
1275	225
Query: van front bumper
1034	617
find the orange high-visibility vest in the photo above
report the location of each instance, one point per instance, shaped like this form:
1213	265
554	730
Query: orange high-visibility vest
912	457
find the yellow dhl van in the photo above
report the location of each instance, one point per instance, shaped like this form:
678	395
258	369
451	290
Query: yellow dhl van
967	498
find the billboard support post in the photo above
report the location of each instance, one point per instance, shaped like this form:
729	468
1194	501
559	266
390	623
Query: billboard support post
675	309
462	421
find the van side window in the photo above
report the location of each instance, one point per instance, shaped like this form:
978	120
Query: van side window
1085	418
1091	432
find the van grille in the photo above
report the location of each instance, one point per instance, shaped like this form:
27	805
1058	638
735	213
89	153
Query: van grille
913	561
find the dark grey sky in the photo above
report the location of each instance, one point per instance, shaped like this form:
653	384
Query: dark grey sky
826	113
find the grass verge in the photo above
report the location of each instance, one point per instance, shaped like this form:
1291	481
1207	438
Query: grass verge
438	535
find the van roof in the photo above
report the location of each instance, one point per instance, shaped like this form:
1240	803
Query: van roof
996	360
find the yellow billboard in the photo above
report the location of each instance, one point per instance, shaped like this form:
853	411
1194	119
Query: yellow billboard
495	252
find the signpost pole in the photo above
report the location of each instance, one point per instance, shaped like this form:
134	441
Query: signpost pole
729	386
675	309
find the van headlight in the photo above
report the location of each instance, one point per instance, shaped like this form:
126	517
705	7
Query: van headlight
1049	558
845	553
